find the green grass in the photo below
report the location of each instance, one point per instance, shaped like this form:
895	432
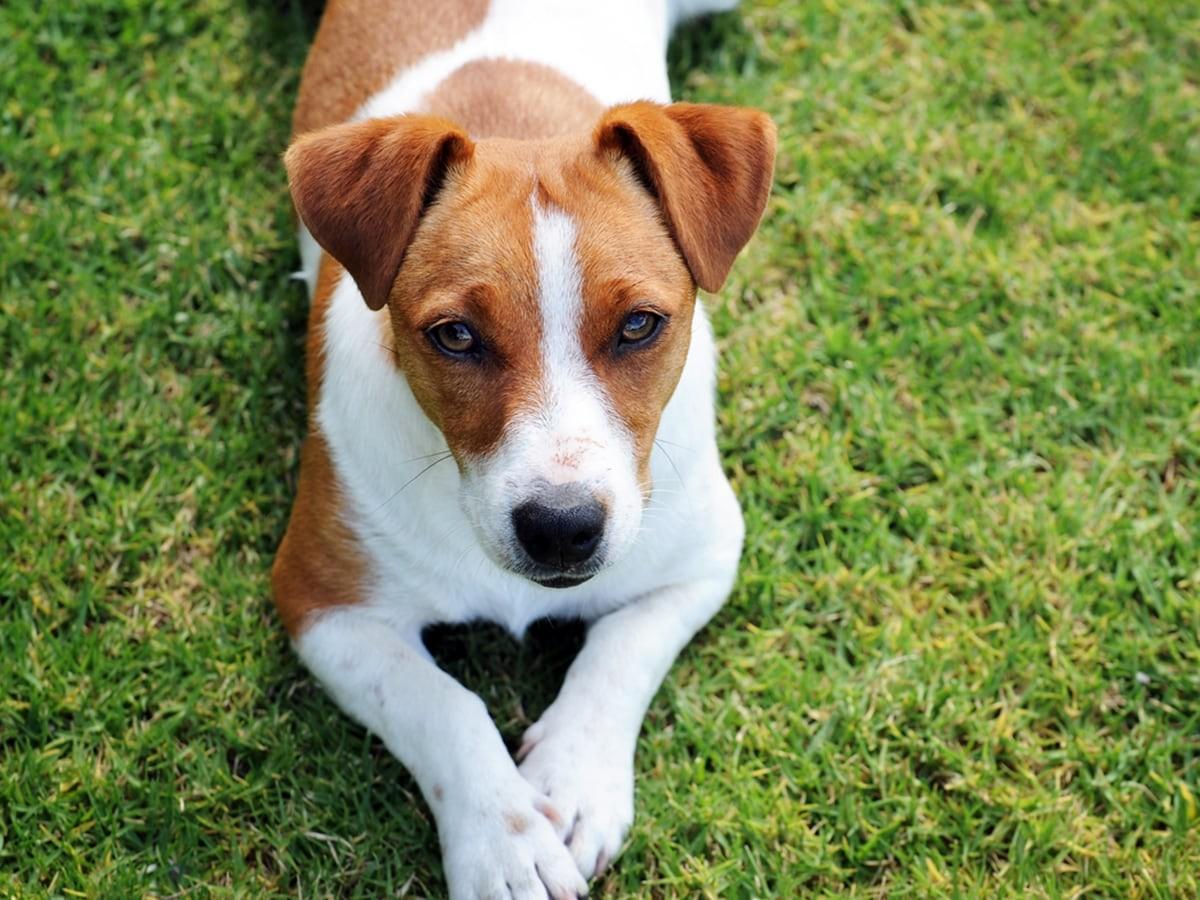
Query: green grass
960	401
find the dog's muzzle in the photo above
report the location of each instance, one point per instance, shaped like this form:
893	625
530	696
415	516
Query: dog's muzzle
560	531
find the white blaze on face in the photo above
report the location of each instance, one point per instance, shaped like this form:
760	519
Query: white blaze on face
571	435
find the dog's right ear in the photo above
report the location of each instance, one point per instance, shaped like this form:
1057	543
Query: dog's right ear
361	188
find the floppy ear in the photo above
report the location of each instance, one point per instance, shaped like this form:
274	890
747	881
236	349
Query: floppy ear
708	166
361	188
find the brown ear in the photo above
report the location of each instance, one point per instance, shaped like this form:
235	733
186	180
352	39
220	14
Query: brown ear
709	167
361	188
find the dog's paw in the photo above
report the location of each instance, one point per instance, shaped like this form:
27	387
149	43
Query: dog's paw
507	846
588	776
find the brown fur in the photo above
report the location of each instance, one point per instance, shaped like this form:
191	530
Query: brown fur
472	260
511	99
361	188
710	167
318	564
362	44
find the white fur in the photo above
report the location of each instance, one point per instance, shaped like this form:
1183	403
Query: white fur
572	434
613	48
434	538
682	10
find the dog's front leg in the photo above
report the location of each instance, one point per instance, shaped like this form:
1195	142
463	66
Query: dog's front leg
580	752
498	833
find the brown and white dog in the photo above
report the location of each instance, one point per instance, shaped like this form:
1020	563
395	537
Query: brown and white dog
504	335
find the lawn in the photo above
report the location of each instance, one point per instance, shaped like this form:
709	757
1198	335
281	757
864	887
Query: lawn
960	402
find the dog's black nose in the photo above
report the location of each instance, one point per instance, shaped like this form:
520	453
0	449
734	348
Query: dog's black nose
560	530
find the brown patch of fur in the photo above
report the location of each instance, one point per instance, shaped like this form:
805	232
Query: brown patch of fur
472	260
361	188
516	824
362	44
511	99
318	564
710	168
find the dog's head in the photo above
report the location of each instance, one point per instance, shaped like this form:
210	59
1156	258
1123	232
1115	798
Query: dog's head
540	298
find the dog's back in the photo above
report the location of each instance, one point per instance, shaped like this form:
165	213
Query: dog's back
477	59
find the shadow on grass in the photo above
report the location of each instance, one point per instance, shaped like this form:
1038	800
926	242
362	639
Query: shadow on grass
517	680
719	42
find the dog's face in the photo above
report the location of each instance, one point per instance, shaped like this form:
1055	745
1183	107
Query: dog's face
540	299
542	318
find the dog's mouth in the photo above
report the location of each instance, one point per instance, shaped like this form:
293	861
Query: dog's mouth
549	576
561	581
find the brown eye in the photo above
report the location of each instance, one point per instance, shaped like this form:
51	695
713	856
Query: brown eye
639	328
454	338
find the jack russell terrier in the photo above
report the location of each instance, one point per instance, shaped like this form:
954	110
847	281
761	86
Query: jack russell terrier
504	224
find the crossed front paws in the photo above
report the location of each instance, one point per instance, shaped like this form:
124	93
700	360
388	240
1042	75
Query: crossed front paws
587	773
543	833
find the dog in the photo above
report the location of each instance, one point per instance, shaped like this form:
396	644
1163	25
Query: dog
504	223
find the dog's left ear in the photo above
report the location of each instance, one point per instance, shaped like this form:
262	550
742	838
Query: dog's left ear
710	169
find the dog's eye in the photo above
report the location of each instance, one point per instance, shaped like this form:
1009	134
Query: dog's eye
454	338
639	328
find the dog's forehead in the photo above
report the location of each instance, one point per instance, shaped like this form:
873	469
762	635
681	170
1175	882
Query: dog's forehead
488	214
